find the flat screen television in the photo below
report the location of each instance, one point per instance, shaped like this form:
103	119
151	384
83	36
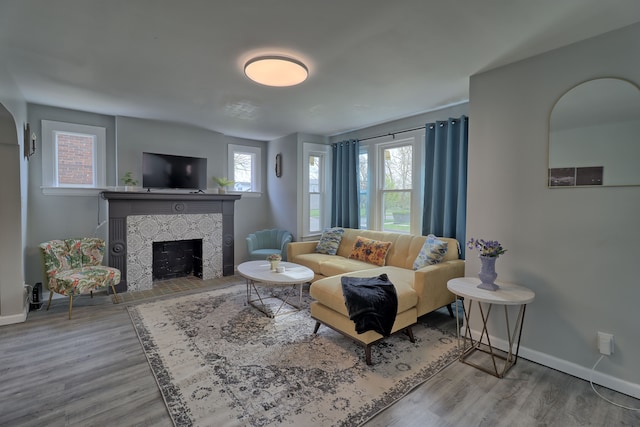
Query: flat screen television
175	172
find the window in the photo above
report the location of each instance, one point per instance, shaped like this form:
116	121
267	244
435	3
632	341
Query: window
316	173
315	193
390	184
396	186
244	168
363	170
74	158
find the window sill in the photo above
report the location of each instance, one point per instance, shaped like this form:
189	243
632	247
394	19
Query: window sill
247	194
76	191
71	191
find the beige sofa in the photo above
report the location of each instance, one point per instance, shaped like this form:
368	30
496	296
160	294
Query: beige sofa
419	291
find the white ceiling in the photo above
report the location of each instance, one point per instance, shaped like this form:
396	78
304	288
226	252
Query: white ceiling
370	61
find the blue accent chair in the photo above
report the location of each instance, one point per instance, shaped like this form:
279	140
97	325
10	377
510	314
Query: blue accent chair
263	243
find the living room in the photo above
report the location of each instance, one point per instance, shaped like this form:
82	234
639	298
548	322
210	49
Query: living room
574	247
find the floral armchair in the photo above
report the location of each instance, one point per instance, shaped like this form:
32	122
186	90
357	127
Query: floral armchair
73	268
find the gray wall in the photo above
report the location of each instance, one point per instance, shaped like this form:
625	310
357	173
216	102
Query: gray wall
404	123
282	191
13	175
137	135
576	248
55	216
285	193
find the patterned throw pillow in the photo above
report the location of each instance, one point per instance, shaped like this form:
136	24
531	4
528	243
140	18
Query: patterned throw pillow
371	251
329	241
431	253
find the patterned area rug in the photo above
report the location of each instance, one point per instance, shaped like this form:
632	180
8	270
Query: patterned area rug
220	362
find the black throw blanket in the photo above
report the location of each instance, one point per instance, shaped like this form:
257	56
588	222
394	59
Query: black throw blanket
372	303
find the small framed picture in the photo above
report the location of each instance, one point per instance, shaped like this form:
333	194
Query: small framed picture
589	175
562	177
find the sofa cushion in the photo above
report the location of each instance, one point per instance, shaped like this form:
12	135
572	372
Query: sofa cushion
432	252
340	265
328	291
369	250
314	261
330	240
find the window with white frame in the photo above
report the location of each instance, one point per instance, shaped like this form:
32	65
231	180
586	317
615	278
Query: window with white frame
363	177
390	183
244	168
396	174
73	158
315	175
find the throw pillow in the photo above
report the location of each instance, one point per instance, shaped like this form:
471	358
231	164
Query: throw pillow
371	251
431	253
329	241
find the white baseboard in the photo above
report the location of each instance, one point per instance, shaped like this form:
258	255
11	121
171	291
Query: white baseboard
608	381
14	318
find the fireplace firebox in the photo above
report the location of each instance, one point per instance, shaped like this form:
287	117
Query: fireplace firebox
181	258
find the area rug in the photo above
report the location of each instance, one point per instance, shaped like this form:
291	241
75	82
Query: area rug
220	362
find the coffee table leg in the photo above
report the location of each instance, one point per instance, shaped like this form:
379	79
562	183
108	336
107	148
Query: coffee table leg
286	300
252	284
262	307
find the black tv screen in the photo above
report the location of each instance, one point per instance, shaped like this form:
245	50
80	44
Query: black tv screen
168	171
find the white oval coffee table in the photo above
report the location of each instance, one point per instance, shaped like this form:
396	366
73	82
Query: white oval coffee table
260	273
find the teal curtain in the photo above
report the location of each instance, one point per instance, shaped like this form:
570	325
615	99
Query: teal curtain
345	197
445	191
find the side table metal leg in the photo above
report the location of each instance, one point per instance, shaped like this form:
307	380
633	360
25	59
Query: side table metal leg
485	332
467	328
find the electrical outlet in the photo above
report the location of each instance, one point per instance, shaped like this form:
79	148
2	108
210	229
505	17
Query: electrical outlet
605	343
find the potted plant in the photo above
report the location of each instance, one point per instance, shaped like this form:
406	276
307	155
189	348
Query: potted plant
128	180
489	250
274	260
223	183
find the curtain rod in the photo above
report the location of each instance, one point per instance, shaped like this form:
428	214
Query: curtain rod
393	134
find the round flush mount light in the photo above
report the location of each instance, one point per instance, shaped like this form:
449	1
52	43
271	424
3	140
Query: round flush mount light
273	70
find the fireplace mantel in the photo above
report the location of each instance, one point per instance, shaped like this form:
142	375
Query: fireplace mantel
126	203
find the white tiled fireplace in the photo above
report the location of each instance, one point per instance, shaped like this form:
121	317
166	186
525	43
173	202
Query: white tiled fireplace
138	219
144	230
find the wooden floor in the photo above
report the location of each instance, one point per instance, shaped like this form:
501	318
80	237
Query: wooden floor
91	371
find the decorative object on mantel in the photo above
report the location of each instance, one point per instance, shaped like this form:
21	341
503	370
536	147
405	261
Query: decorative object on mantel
29	142
490	250
274	259
223	183
128	180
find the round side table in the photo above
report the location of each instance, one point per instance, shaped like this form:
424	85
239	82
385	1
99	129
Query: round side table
507	295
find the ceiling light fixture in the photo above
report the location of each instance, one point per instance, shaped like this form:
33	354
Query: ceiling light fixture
276	70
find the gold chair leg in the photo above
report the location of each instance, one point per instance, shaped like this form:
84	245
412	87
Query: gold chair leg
50	296
115	294
70	305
